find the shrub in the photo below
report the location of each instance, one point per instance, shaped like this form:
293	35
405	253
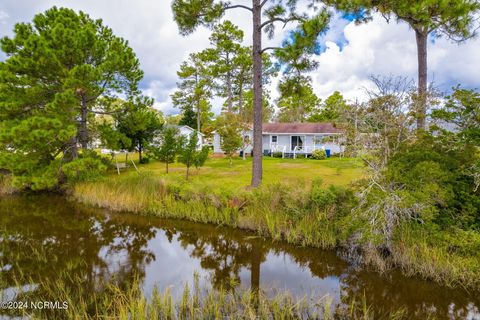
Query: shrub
320	196
144	160
83	169
277	154
319	154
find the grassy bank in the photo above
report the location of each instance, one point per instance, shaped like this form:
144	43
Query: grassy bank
295	203
302	202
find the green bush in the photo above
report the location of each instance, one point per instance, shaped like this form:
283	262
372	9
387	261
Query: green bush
83	169
145	160
277	154
321	197
319	154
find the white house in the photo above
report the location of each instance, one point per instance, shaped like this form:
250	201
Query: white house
292	139
186	131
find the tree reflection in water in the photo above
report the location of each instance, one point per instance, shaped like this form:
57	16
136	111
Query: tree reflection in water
47	239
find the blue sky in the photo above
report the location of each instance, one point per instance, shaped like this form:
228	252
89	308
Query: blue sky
349	53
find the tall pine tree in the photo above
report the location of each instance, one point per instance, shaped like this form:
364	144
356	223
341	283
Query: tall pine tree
452	18
56	69
189	14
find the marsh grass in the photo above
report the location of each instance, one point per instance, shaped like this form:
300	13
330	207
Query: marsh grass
451	257
6	187
115	302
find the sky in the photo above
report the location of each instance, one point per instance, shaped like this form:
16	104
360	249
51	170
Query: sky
350	53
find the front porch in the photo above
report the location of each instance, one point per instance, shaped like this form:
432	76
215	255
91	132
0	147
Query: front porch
302	151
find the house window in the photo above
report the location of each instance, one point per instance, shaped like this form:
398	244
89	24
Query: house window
274	139
297	141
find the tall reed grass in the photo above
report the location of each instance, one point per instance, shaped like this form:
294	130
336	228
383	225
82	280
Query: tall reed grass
193	302
6	187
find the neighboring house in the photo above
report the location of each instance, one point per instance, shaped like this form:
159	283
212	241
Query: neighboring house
292	139
186	131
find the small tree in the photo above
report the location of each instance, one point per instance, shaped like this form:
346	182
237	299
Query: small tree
188	152
201	157
169	146
140	122
230	134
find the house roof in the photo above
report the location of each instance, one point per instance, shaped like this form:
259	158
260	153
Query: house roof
319	127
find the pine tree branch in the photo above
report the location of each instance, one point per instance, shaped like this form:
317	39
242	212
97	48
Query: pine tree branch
270	48
238	6
278	19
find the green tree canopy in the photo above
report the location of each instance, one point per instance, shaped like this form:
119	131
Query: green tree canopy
57	68
194	88
139	122
168	146
297	99
190	155
330	109
230	130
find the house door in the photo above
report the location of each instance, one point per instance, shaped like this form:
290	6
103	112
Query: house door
297	141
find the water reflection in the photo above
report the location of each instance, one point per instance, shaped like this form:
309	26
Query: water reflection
45	238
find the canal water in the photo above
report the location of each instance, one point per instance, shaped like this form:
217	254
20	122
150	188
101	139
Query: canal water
45	238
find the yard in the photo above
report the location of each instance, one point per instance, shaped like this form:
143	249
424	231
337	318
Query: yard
217	174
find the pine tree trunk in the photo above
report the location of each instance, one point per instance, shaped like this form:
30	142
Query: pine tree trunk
229	90
240	100
71	152
188	171
166	163
421	37
83	131
198	116
140	152
257	95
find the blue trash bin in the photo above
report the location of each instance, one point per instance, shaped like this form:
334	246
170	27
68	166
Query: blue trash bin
327	153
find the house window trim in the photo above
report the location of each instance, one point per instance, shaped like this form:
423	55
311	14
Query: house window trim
271	139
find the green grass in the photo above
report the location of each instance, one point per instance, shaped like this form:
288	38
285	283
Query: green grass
218	175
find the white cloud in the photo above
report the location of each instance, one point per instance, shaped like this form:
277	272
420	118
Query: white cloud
373	48
379	48
3	17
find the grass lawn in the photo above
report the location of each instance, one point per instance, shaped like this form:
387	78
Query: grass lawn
218	175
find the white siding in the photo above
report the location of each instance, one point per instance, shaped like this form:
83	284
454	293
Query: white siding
310	141
285	140
216	143
187	131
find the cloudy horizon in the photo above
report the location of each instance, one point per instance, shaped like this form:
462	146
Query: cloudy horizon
350	53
